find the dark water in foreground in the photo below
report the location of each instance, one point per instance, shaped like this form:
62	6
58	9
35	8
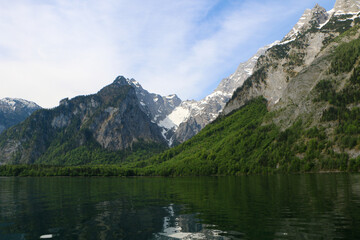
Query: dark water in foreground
322	206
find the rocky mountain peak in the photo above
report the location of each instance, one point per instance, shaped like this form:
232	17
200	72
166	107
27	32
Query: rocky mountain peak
316	16
121	80
319	14
347	6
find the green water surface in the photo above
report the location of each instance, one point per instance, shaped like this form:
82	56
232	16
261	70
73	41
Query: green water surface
313	206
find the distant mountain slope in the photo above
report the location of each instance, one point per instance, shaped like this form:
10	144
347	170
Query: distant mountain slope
84	129
14	111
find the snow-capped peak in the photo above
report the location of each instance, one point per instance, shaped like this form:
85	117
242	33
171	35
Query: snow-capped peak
18	102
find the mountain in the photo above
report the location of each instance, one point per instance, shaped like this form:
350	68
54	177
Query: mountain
298	112
187	119
347	6
14	111
85	129
286	60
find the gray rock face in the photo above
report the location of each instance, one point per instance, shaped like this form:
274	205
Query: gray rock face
289	58
14	111
347	6
119	127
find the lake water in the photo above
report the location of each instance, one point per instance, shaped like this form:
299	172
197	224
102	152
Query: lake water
318	206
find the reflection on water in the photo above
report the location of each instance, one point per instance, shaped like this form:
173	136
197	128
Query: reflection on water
186	226
319	206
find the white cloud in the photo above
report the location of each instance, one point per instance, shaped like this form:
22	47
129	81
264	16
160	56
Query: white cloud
62	48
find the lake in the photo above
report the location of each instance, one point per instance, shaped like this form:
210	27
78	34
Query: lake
311	206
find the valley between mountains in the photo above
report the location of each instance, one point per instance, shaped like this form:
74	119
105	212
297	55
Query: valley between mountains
293	107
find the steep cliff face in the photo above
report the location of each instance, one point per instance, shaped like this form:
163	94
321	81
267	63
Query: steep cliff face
14	111
286	60
111	119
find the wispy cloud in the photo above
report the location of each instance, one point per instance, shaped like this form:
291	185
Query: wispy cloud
61	48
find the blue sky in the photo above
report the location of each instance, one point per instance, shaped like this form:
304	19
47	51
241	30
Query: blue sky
52	49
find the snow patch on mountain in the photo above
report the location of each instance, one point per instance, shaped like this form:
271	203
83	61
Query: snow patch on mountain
176	117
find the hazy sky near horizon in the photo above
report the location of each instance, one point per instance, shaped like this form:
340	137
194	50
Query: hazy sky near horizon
52	49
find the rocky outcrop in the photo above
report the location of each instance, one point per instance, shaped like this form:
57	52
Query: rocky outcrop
14	111
347	6
311	17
